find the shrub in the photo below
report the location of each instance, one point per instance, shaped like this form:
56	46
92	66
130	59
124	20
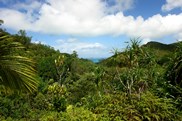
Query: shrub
148	107
77	114
57	95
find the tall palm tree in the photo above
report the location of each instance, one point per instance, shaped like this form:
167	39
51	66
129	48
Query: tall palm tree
16	72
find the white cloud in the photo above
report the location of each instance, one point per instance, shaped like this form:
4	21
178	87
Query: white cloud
15	19
179	37
91	18
145	41
70	40
84	49
172	4
39	42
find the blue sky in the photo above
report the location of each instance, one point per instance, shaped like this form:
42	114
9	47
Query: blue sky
93	27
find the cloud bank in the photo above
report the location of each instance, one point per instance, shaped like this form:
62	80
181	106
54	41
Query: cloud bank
91	18
85	49
172	4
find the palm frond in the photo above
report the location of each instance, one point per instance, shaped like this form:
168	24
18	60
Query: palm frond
16	72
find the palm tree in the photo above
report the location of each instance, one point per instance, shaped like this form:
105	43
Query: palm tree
16	72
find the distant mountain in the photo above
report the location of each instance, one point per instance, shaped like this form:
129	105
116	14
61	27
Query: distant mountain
161	46
161	51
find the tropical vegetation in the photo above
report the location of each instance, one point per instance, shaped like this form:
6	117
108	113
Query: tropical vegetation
39	83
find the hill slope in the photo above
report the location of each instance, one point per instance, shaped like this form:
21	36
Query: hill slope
160	50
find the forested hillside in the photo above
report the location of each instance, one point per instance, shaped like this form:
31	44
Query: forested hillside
39	83
161	51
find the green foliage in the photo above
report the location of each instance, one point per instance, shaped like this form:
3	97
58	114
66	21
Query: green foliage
40	102
23	38
44	56
16	72
174	76
77	113
174	73
140	73
161	46
148	107
153	108
50	116
130	86
81	88
99	74
63	66
13	106
47	69
57	95
1	22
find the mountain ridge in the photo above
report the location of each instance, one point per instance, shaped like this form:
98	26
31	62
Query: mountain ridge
161	51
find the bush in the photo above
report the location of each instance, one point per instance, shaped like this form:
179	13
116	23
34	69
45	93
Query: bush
57	95
77	114
50	116
147	107
14	107
81	88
